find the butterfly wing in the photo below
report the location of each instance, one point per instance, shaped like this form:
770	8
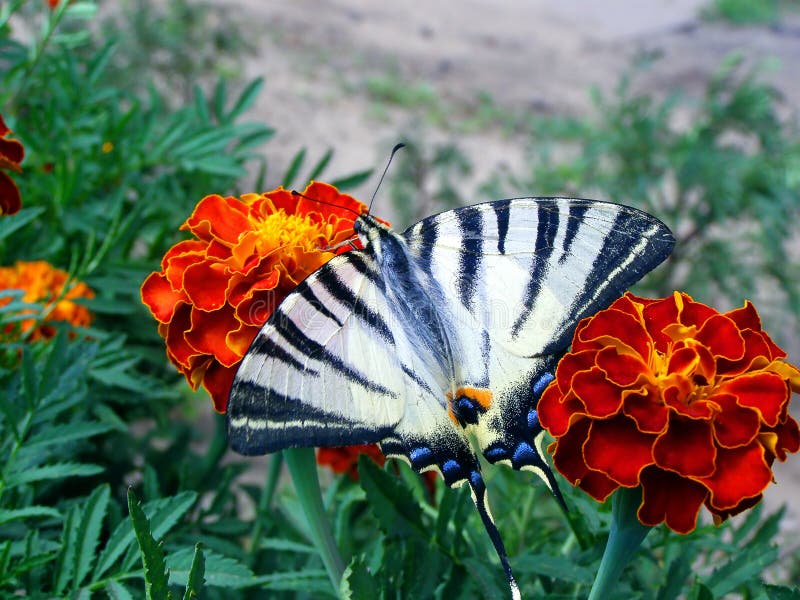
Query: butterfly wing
333	366
519	274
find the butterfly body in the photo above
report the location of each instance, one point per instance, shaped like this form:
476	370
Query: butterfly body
453	327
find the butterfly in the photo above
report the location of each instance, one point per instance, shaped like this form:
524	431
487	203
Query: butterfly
450	329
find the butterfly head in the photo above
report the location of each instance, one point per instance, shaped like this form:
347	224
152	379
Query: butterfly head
370	230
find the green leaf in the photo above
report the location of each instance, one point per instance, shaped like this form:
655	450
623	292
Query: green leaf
353	180
558	567
195	582
11	223
679	570
56	471
358	583
220	571
117	591
156	576
745	566
66	558
310	581
317	169
781	592
245	99
395	508
286	546
28	512
294	168
489	578
68	432
94	512
163	515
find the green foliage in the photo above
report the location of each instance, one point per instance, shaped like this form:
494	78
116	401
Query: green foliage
743	12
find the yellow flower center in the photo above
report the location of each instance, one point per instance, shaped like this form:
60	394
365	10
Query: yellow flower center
281	230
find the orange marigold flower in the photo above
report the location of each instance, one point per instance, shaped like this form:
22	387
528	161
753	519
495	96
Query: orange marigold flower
11	155
43	283
215	291
673	396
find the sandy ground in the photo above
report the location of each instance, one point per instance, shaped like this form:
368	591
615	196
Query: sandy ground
534	55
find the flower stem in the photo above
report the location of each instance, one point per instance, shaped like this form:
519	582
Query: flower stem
303	468
627	534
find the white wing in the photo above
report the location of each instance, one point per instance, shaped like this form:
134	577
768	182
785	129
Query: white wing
333	366
519	274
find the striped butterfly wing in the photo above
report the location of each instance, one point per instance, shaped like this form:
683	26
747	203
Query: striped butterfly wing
334	366
519	275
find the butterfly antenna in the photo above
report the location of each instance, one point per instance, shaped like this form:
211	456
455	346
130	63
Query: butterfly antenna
388	163
478	487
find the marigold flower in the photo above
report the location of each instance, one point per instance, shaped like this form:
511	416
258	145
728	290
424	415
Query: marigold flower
43	283
673	396
215	291
11	155
345	459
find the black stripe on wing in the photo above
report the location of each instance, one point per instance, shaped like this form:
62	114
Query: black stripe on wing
261	420
470	223
502	209
635	244
316	351
348	298
546	231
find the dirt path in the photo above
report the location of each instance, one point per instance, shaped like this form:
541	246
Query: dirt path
317	55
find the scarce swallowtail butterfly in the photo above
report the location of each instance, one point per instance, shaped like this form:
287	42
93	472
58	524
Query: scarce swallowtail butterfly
452	327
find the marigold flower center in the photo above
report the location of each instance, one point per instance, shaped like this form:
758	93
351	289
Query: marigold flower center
279	230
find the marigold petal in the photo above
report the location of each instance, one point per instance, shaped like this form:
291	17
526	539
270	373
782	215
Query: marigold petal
208	334
683	361
573	363
239	340
721	336
159	297
686	447
745	317
741	473
12	151
657	317
787	440
10	200
218	380
178	349
556	411
616	448
765	392
612	327
218	217
735	425
647	410
623	370
677	392
693	313
669	497
206	285
600	397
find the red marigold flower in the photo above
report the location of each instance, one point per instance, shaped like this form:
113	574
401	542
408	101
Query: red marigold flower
673	396
43	283
11	155
345	459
